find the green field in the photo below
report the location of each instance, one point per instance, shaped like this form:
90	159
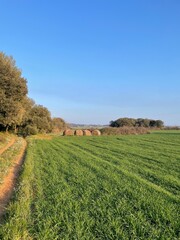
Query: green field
120	187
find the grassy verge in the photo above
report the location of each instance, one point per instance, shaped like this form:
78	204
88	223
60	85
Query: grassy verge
7	158
4	139
18	213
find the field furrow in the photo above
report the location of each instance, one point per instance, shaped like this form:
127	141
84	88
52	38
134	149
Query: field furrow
129	162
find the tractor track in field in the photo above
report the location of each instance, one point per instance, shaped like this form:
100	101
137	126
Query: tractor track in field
9	181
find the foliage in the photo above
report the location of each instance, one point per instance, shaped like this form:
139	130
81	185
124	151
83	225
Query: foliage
13	89
17	111
58	125
140	122
115	187
28	130
11	82
40	118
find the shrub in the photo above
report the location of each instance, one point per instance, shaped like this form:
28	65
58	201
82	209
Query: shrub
171	128
124	131
28	130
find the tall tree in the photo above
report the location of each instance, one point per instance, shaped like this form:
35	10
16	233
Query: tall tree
13	89
40	117
58	124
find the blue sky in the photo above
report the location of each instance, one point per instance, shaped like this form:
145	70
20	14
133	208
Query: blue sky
92	61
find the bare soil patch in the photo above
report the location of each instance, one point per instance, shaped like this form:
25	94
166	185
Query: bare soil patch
6	189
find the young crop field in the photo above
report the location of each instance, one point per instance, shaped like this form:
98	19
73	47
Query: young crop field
107	187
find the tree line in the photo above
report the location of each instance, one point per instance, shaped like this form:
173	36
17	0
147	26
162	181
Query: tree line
19	113
140	122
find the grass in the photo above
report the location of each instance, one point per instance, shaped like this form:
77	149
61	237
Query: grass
8	156
108	187
4	139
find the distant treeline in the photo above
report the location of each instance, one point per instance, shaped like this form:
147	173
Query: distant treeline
19	113
172	128
140	122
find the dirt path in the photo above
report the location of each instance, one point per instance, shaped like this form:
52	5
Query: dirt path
3	149
6	189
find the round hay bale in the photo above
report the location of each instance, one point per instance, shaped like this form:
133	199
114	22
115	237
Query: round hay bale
96	133
68	132
87	133
78	132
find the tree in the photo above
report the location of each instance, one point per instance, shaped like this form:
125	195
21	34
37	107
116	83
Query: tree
17	111
128	122
146	122
140	122
152	123
11	81
58	125
28	104
121	122
113	124
40	118
13	89
159	124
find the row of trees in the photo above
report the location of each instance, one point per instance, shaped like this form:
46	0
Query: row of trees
18	112
140	122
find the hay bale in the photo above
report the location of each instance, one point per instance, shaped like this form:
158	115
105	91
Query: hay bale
87	133
96	132
68	132
78	132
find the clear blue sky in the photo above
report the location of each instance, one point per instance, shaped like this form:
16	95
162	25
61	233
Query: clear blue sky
92	61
